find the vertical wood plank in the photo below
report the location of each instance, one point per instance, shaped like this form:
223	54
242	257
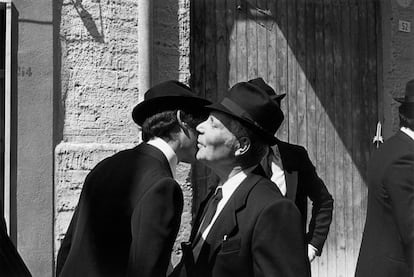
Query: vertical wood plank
252	40
373	94
365	135
271	61
264	22
197	45
210	41
301	80
357	122
282	49
232	31
347	137
311	80
292	72
338	125
330	150
241	20
222	43
310	90
320	266
372	82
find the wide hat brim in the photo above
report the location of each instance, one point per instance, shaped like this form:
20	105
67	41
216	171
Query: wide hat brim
267	136
405	100
167	96
409	94
150	107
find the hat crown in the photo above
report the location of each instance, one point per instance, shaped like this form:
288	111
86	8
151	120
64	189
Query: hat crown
259	82
252	106
409	91
257	104
168	88
409	94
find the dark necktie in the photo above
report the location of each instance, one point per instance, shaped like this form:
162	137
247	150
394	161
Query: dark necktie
208	216
266	163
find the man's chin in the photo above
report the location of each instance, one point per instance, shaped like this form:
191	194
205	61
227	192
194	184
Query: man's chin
200	157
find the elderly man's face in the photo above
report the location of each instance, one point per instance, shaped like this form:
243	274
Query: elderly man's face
216	143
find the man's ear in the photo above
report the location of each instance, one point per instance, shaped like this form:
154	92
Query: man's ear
243	146
184	126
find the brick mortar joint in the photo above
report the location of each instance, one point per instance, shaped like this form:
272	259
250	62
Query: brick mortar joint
91	146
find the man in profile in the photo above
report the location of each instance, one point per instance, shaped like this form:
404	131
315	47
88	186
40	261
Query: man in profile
130	207
245	227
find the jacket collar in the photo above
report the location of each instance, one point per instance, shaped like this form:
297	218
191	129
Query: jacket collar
406	135
155	153
167	151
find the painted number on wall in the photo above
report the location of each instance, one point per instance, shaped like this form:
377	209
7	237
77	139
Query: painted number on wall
24	71
404	26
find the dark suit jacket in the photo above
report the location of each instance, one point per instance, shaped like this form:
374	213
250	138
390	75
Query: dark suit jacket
126	220
387	248
302	179
258	233
11	264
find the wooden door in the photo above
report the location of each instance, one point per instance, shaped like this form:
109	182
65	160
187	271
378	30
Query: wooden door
323	54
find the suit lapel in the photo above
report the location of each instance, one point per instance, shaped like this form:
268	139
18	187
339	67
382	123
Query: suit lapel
291	184
226	222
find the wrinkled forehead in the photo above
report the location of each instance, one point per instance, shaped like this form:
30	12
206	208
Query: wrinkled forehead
226	120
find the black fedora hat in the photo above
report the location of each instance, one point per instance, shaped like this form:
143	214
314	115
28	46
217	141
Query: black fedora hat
169	95
407	102
409	93
253	107
268	89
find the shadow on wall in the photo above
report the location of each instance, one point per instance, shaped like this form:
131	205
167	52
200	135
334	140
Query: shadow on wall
88	20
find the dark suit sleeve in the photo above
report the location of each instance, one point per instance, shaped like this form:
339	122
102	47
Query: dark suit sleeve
399	183
322	203
66	244
278	246
154	226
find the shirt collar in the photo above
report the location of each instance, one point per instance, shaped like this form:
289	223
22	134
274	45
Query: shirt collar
408	131
234	182
168	152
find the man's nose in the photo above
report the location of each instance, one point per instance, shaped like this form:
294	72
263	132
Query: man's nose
199	127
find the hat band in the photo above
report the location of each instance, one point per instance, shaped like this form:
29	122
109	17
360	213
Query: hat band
409	99
239	111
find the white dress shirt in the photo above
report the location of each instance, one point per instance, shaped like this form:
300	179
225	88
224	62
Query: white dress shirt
277	174
228	188
408	131
168	152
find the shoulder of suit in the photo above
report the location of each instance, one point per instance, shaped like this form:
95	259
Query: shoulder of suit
283	145
266	188
167	182
115	158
